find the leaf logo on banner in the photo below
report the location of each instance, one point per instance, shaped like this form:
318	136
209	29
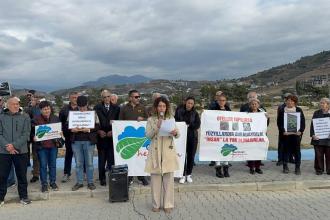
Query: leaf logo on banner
227	149
42	130
130	141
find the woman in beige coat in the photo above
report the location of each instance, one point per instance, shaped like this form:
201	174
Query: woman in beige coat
162	158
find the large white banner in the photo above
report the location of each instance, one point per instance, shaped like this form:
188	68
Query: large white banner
233	136
131	146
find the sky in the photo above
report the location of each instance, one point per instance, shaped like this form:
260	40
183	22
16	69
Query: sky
64	43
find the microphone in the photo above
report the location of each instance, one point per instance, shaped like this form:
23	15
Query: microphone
161	114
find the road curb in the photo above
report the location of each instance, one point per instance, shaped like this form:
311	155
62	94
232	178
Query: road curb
140	190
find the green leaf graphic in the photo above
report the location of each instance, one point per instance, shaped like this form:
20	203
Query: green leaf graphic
41	134
127	147
227	149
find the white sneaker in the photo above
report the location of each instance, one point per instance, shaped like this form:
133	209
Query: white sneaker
182	180
189	179
2	203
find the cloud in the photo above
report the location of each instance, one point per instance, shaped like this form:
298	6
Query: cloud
69	42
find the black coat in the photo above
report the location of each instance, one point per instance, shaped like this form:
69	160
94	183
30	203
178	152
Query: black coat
323	142
280	120
63	116
191	118
215	106
106	116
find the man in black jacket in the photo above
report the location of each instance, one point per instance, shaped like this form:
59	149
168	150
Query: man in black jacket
63	115
106	112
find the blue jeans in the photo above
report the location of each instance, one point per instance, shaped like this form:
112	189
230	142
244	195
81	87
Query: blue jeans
83	153
11	178
47	157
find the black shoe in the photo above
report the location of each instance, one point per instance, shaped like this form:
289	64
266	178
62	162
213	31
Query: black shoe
279	163
252	171
226	171
34	179
258	170
54	186
212	164
218	172
144	181
319	172
285	169
77	186
297	171
44	188
103	182
91	186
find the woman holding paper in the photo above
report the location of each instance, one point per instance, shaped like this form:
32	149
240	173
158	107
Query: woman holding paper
254	107
188	114
321	144
221	105
162	158
291	131
46	149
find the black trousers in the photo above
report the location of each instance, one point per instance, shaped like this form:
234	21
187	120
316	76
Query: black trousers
322	152
291	144
190	154
20	162
68	156
280	147
105	156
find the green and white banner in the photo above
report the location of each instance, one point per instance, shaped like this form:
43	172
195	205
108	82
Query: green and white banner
131	146
233	136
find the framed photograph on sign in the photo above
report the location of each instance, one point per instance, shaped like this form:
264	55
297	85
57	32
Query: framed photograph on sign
5	89
292	121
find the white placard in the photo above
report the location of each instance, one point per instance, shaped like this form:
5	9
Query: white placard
292	121
78	119
233	136
132	134
322	127
48	131
166	127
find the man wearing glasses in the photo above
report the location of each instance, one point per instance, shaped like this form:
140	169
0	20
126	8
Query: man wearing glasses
134	111
106	112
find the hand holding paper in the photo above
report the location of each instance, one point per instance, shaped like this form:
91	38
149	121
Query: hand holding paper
167	126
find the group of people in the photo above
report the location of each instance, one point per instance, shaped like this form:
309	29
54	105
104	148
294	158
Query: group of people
17	134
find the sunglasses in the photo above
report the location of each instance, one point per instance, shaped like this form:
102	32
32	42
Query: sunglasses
106	96
222	100
136	97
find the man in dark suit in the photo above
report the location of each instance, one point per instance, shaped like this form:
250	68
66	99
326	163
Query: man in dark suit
106	112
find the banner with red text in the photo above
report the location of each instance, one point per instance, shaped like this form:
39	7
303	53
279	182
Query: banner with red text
131	146
233	136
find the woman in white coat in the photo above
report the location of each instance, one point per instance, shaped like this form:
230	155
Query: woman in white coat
162	158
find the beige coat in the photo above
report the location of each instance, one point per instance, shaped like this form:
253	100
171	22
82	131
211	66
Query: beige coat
162	156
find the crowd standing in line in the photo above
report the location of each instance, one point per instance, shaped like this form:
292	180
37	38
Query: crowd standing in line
17	134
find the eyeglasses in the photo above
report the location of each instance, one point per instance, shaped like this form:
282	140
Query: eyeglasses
106	96
222	100
136	97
